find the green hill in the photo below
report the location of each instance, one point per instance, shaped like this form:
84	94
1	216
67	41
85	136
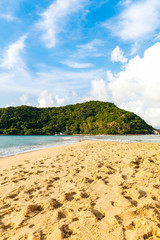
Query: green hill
92	117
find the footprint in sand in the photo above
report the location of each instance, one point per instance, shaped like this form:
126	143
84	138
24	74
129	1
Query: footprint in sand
4	182
49	186
124	177
35	235
87	180
5	178
127	185
20	165
41	162
31	190
154	198
51	204
136	164
151	160
113	203
100	164
38	172
157	186
84	194
131	226
32	210
13	195
70	196
52	165
105	180
133	202
147	235
142	194
99	215
61	215
66	231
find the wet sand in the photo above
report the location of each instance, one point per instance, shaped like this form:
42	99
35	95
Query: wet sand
87	191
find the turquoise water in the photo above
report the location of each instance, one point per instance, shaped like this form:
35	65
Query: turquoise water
10	145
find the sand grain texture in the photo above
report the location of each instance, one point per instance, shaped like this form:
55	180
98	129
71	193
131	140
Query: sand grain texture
87	191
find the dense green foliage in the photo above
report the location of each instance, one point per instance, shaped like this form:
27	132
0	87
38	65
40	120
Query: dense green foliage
92	117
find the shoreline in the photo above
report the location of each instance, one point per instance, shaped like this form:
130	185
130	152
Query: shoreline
33	149
88	190
79	138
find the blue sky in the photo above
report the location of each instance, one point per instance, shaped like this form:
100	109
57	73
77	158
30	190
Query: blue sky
61	52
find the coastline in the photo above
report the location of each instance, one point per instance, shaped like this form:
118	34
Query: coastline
13	145
20	149
89	190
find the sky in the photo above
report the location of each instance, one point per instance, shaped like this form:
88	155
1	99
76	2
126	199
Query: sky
60	52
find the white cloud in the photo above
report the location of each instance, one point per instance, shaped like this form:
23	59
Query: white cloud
55	18
14	75
134	48
89	49
7	106
137	88
72	64
60	101
12	55
137	20
157	37
45	99
19	80
91	45
71	98
98	91
24	100
8	17
117	55
68	80
125	2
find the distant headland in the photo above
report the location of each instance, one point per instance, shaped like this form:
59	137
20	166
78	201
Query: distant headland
93	117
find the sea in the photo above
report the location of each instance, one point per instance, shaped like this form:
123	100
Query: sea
12	145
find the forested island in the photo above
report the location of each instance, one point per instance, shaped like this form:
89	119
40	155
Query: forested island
92	117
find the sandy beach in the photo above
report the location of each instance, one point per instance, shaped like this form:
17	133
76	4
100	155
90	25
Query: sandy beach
87	191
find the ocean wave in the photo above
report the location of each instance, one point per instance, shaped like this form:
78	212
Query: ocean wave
13	145
67	138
